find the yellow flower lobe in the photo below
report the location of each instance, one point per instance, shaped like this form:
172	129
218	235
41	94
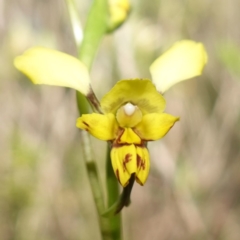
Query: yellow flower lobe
124	162
129	137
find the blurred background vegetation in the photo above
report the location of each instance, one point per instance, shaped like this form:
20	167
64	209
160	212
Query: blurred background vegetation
193	191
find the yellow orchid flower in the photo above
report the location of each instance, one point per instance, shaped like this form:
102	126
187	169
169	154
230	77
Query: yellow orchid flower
131	114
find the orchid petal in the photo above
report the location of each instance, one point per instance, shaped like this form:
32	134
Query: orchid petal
155	126
103	127
184	60
51	67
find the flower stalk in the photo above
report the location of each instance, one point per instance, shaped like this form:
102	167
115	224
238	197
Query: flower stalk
96	28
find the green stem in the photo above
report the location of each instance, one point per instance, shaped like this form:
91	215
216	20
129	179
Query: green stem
96	188
96	28
113	192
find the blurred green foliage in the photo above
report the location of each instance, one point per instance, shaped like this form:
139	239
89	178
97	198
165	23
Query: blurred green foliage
229	54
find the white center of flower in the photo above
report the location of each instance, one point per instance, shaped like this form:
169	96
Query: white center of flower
128	115
129	109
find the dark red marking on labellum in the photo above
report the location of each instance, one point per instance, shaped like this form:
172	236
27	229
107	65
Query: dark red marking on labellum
140	162
126	160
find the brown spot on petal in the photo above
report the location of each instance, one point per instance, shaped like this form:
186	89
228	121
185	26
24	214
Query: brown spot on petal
86	124
120	132
126	160
140	163
139	160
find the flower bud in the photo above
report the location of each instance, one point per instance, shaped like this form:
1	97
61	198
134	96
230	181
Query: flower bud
118	11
